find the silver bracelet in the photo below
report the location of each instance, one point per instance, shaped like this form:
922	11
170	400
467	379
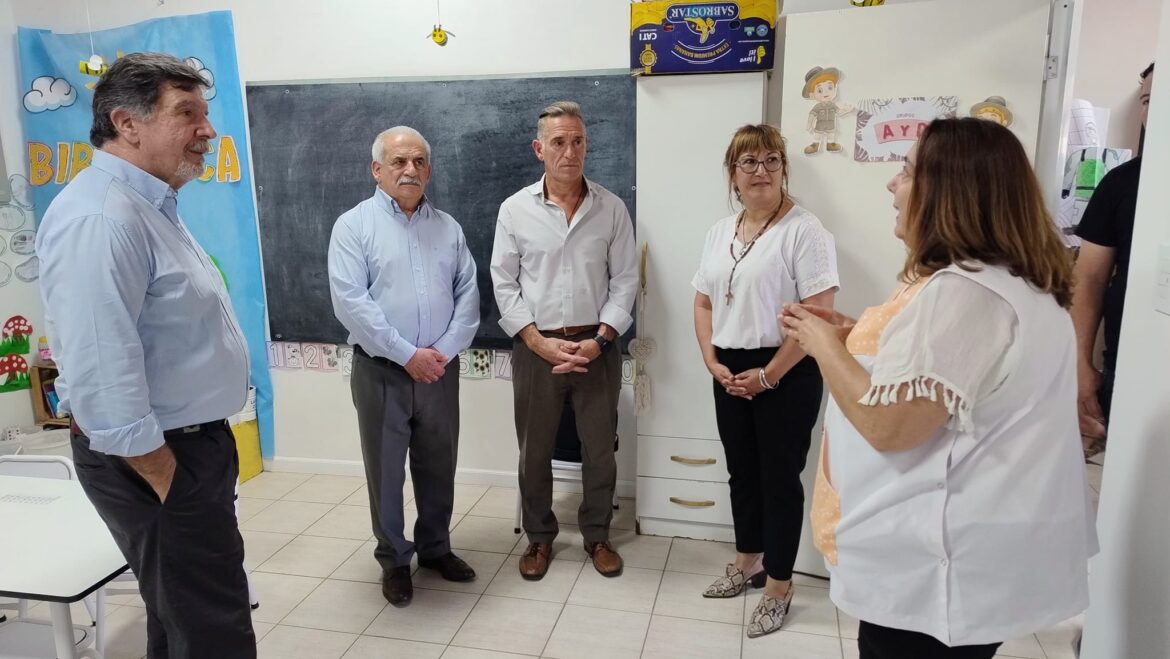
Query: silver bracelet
764	381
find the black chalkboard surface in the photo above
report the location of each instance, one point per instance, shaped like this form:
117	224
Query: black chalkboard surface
311	153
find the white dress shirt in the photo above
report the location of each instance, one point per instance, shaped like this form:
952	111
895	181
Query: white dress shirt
792	261
399	283
982	533
555	274
138	317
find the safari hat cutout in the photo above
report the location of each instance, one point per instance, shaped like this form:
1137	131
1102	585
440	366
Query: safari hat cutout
993	109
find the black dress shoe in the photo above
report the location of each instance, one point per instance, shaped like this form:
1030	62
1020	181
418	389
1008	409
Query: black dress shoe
450	566
396	586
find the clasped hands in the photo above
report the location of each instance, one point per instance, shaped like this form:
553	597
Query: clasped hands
745	385
817	329
427	365
567	356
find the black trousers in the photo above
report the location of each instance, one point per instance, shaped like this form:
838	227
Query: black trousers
766	441
877	642
187	553
397	418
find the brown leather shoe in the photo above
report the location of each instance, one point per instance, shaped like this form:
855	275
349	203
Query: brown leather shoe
607	561
534	562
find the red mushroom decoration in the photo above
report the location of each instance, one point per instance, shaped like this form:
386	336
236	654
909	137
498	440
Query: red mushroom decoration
16	368
15	336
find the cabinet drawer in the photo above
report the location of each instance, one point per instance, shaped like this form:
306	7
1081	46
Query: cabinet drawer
676	457
692	501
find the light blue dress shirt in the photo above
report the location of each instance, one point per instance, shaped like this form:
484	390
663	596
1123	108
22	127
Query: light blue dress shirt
399	284
138	318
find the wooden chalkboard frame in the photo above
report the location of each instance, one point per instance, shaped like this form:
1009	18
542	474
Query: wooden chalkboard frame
480	130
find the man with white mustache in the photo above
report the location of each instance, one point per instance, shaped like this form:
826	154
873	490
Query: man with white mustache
403	283
151	358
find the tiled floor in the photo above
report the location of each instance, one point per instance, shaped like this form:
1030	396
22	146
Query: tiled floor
309	548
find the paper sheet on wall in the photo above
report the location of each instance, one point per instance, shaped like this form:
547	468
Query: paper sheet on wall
1088	125
475	364
1086	162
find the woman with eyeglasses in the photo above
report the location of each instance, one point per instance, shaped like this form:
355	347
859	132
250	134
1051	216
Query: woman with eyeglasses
767	391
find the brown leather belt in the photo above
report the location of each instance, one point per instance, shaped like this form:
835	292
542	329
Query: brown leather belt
570	331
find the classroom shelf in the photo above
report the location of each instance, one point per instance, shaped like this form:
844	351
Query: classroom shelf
39	376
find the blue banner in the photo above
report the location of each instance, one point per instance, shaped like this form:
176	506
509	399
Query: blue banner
699	36
57	80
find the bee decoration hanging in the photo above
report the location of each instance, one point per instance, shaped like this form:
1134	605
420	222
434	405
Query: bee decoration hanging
867	3
438	34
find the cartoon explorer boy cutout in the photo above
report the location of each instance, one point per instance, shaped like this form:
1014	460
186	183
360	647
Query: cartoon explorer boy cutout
820	85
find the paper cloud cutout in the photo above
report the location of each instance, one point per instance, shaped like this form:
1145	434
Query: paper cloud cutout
21	190
11	217
48	94
29	271
24	242
206	74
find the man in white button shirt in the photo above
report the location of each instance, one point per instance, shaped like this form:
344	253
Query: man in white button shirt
563	271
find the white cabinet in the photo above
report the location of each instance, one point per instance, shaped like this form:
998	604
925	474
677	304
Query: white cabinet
685	459
684	125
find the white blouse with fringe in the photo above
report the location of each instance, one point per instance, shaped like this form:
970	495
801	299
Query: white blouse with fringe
982	533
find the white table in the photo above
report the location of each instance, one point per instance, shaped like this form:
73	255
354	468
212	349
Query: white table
53	548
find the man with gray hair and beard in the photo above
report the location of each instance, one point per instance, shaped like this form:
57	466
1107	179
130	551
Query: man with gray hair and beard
151	358
403	283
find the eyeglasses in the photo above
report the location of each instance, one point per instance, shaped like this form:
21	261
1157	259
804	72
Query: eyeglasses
749	165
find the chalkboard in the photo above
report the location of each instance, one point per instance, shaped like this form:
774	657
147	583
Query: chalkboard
311	153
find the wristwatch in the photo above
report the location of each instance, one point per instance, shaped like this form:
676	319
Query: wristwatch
602	342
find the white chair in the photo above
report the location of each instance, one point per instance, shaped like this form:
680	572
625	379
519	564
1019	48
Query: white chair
61	468
38	466
253	598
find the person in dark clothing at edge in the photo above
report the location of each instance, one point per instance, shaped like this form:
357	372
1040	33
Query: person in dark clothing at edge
1106	231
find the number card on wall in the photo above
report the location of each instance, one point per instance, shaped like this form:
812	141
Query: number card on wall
292	356
503	364
628	370
475	364
345	359
275	354
329	358
311	356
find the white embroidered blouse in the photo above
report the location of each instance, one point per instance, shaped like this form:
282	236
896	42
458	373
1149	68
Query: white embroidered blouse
792	261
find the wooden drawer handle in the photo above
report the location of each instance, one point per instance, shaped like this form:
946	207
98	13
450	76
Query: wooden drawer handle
692	461
692	504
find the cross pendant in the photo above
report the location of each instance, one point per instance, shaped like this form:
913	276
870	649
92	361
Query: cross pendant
727	298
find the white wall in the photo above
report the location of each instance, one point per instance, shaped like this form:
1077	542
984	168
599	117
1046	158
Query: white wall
16	297
282	40
1130	580
1117	44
